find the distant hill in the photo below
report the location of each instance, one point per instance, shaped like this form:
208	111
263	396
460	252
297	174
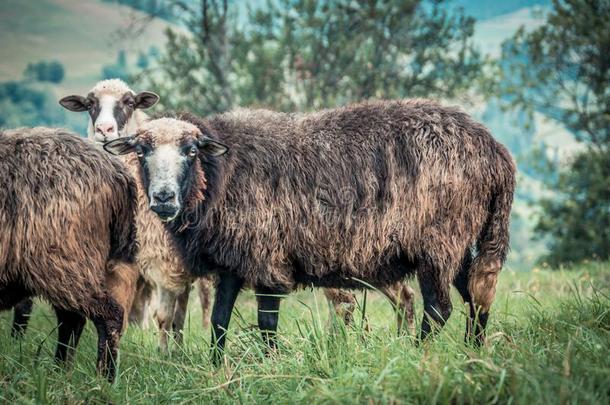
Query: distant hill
484	9
82	35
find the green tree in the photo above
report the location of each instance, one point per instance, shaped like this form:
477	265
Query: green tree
195	68
562	70
52	71
22	105
142	62
344	51
117	70
303	54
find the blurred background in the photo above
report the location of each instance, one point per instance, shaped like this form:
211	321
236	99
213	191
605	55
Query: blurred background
536	72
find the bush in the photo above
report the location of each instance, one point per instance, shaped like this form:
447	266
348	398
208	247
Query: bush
22	105
45	72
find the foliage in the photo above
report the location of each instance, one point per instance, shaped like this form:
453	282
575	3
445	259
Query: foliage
562	70
22	104
301	54
44	72
117	70
549	336
578	219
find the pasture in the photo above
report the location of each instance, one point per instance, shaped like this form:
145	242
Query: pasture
548	342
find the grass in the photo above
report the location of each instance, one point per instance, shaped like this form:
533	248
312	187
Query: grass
549	340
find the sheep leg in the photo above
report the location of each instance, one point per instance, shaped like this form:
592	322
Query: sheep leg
121	280
437	302
343	303
70	327
461	284
21	317
401	296
108	321
226	293
164	315
180	314
205	291
268	314
138	314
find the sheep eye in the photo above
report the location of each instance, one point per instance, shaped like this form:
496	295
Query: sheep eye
139	152
192	152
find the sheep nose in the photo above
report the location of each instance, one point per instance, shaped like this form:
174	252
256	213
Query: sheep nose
104	129
163	197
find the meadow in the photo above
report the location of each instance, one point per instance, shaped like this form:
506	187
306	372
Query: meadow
548	342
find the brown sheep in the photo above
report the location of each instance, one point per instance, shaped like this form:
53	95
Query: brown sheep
361	195
115	111
67	234
106	122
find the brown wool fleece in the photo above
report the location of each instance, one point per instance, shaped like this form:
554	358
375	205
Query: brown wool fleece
66	214
371	191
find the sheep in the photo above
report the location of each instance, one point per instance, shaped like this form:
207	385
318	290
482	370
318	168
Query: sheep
67	234
115	111
107	122
428	188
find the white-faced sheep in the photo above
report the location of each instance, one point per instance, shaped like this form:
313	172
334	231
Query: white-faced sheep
115	111
67	234
427	185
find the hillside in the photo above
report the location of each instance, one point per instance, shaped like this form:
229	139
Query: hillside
82	35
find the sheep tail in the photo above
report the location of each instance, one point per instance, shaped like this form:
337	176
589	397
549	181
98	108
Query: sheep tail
493	243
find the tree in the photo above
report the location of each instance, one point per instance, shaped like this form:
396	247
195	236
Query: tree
45	72
578	219
345	51
118	70
303	54
195	68
22	105
562	70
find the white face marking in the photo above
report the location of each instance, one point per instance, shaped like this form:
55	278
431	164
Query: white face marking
105	127
165	164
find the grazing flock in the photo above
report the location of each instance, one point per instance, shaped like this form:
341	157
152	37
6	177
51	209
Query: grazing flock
117	228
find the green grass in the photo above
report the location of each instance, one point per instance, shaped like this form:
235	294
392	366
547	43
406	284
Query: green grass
549	342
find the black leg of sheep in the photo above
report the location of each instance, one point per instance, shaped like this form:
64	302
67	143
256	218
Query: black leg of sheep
108	321
437	302
70	327
268	314
21	317
226	293
461	284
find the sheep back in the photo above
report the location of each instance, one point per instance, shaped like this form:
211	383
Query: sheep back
364	192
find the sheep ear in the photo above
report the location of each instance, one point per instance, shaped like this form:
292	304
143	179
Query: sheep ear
145	99
75	103
121	146
212	147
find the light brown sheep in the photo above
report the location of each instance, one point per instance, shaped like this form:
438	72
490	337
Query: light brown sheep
67	234
114	111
